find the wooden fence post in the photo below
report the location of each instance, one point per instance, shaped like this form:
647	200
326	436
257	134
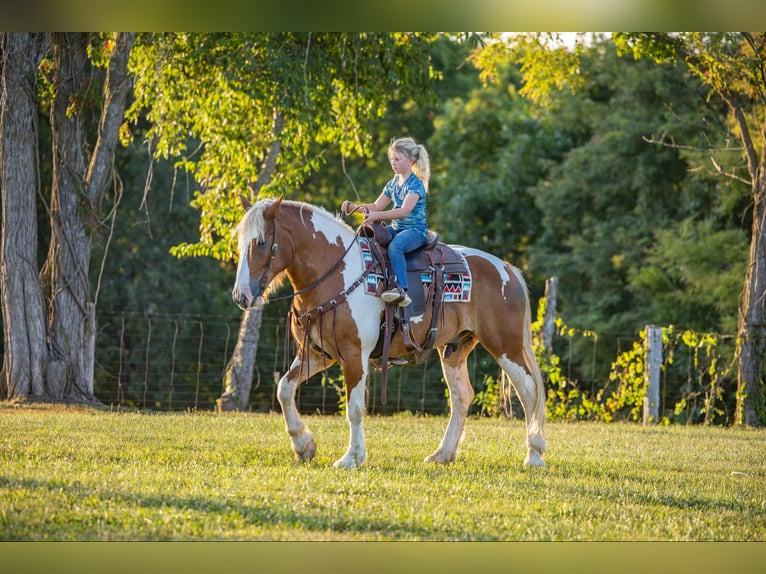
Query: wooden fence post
549	319
652	365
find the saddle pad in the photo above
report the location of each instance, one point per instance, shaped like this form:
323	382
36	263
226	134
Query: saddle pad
457	280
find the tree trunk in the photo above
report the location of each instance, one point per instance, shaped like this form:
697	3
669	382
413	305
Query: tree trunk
78	188
57	303
239	371
752	332
25	352
65	274
549	318
751	339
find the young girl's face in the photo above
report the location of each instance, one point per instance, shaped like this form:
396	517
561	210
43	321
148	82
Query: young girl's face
400	163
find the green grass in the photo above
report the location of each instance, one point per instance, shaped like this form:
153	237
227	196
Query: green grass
71	474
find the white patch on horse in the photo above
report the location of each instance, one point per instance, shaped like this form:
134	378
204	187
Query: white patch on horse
497	263
365	311
243	277
326	224
521	379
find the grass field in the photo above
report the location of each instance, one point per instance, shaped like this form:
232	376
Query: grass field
84	475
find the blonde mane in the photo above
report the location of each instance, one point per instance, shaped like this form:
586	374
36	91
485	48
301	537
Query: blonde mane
253	224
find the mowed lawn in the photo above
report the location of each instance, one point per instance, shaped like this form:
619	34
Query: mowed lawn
76	474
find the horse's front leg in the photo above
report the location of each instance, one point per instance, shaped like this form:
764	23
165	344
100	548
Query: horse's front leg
355	376
301	438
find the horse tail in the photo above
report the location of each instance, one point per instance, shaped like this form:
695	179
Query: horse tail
529	354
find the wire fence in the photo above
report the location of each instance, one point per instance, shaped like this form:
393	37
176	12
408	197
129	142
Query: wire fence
163	362
177	362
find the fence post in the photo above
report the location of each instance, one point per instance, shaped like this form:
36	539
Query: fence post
549	319
652	365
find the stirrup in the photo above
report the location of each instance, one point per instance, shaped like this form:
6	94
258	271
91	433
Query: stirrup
397	296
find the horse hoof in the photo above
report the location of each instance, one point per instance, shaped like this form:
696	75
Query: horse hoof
350	461
534	460
440	458
308	452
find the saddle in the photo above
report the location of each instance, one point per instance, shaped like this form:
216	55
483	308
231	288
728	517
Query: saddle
427	268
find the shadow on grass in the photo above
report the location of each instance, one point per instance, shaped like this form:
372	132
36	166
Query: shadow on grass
318	525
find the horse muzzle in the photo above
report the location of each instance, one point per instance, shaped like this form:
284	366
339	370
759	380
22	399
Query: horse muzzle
246	295
240	299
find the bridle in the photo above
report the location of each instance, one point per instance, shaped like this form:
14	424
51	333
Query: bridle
304	319
263	282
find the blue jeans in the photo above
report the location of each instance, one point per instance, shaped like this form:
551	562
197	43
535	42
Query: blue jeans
404	241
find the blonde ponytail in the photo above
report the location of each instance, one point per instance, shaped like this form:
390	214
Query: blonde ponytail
417	153
422	167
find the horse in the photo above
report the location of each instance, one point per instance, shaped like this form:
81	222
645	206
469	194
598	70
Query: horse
333	321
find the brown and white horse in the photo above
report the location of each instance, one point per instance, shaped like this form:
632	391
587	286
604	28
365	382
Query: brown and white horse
337	323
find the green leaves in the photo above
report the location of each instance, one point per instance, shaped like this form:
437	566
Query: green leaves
247	111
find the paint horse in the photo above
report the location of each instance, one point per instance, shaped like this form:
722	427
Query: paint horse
335	321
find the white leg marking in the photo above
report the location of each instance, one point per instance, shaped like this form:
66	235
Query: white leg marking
528	394
461	395
301	438
356	454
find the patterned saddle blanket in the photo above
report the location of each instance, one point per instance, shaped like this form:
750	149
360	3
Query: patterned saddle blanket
422	263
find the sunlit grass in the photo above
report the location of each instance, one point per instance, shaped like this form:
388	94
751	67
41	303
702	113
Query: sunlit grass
68	474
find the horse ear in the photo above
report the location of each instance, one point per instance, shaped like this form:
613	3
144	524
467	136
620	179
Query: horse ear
245	203
271	210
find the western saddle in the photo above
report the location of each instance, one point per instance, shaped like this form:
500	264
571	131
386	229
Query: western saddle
427	268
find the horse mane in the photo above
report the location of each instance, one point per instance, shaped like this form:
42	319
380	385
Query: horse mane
253	225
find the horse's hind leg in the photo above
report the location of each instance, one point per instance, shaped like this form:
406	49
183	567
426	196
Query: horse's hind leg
532	396
301	438
455	370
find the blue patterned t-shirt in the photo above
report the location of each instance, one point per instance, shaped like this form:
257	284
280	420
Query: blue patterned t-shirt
416	219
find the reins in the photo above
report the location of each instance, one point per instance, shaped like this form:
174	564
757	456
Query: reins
305	318
303	321
313	284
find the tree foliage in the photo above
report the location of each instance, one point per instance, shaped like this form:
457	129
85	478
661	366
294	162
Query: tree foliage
491	147
605	206
219	101
733	67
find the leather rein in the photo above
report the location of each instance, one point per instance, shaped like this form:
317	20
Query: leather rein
305	318
263	283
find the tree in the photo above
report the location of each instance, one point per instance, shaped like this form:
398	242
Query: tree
732	65
244	112
491	149
23	309
50	322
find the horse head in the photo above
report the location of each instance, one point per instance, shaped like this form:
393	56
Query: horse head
257	238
